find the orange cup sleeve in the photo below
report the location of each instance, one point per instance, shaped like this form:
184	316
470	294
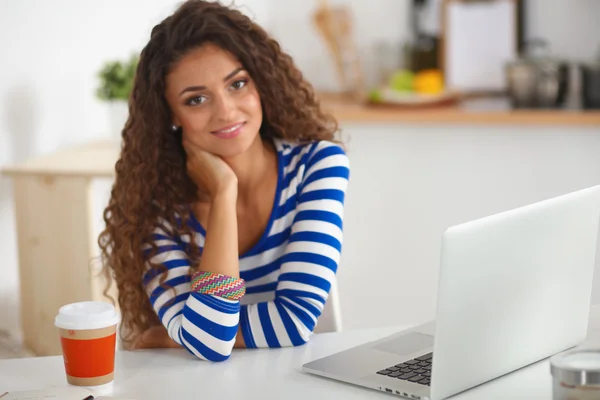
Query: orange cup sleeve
89	358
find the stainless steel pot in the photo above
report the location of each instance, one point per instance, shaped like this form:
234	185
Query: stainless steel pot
537	80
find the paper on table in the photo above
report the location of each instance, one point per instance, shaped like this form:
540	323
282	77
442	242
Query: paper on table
481	39
69	393
111	398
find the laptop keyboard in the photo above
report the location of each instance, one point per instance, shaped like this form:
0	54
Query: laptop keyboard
417	370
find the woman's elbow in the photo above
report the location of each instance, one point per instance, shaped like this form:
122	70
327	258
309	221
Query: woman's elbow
212	351
303	337
216	355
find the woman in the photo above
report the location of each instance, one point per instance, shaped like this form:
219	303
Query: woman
224	226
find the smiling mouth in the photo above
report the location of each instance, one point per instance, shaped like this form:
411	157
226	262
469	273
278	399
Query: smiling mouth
229	129
230	132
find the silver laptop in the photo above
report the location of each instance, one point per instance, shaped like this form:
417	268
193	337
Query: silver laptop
514	288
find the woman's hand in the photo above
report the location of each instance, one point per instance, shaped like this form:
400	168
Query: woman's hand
155	338
210	173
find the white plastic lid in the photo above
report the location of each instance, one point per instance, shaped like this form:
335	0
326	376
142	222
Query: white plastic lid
86	315
581	360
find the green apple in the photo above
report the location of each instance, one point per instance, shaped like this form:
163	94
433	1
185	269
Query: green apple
375	96
402	81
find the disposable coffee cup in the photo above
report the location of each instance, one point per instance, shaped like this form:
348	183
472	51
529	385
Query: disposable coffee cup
88	334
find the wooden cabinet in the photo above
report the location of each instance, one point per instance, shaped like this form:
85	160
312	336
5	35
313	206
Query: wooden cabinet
57	250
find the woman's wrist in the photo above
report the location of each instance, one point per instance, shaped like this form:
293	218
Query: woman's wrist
216	284
227	191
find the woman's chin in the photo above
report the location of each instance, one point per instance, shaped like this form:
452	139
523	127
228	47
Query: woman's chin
234	147
230	153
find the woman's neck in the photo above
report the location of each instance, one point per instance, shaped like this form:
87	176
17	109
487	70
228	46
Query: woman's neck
252	166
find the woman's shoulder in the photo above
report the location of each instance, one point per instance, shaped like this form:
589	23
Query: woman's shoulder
308	153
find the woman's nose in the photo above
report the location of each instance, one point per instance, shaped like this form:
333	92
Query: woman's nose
225	109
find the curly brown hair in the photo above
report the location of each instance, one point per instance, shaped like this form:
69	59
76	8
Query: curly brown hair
151	183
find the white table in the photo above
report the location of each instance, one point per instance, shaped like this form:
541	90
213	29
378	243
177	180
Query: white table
262	374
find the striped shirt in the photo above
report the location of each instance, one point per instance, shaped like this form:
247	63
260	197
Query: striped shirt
288	273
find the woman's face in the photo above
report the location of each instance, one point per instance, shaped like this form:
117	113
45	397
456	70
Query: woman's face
214	101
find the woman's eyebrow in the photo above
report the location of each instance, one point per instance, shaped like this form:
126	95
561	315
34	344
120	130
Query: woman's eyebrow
197	88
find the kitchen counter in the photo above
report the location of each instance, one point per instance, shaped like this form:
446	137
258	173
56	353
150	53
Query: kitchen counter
488	111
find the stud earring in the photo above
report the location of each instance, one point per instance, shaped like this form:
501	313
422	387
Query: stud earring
174	128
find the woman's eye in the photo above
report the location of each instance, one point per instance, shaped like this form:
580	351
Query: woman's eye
194	101
237	85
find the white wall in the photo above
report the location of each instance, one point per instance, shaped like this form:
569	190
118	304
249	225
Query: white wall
409	183
571	27
52	49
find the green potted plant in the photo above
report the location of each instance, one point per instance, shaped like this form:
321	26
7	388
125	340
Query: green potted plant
116	82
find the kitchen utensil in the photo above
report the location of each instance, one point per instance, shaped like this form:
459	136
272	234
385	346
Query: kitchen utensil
590	84
423	48
537	80
521	78
334	25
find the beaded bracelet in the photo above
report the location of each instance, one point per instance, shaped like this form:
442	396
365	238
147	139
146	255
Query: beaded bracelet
218	285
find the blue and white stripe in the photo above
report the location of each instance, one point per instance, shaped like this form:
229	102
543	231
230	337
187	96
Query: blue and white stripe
288	273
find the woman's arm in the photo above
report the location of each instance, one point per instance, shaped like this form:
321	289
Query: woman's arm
205	324
218	182
311	257
220	253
